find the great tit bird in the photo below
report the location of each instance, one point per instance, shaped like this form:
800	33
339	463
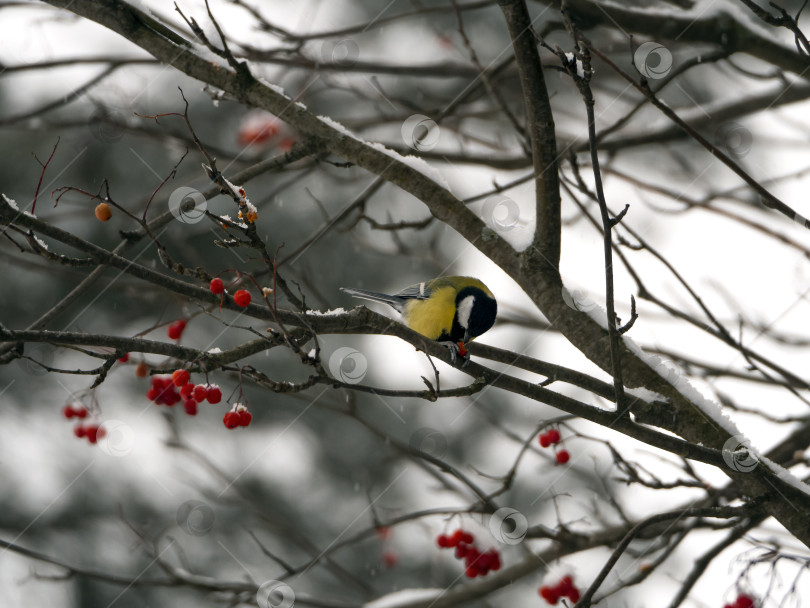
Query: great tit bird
450	310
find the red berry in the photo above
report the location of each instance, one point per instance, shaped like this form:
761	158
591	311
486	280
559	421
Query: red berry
573	595
186	390
553	436
443	541
471	555
152	394
176	329
455	538
79	431
390	559
383	532
563	456
549	594
141	370
68	411
231	419
566	584
191	407
124	359
483	562
91	432
468	538
744	601
471	571
181	377
244	418
216	286
544	440
214	395
200	393
241	298
80	412
461	550
462	351
495	560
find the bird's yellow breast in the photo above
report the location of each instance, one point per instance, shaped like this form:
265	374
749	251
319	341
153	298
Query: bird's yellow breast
433	316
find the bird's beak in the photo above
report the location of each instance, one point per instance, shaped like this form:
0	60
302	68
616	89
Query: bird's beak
467	337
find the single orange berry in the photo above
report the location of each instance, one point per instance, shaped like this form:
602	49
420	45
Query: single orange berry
103	212
141	370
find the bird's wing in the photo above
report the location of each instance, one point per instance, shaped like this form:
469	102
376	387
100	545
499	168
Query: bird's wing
420	291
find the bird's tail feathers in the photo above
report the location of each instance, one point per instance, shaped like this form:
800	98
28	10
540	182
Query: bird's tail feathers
374	296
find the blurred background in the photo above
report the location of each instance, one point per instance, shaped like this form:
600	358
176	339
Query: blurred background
303	494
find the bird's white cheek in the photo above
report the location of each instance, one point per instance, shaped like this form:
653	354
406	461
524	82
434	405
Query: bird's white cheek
464	310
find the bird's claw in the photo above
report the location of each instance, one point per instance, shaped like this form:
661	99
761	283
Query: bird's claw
457	350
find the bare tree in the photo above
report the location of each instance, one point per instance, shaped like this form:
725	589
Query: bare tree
624	174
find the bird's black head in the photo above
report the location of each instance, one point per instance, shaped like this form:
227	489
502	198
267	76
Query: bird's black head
475	314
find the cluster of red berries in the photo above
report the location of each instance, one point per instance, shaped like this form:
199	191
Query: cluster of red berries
565	588
74	412
91	431
176	329
238	416
552	437
477	563
743	601
163	391
194	393
240	298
